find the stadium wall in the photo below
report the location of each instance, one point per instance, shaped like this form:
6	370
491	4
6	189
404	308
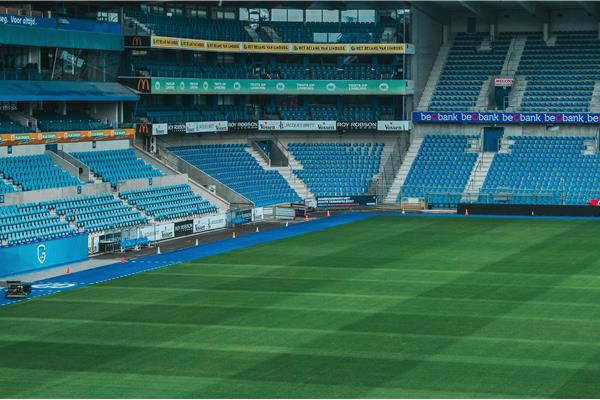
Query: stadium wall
427	38
22	150
42	255
529	210
517	20
34	196
89	146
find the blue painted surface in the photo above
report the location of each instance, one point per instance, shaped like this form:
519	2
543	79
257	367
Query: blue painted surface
43	254
149	263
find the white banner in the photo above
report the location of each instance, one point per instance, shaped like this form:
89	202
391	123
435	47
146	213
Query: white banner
503	81
159	129
158	232
393	125
258	214
287	125
206	126
209	223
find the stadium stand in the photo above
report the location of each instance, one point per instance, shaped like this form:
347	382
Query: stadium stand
466	70
7	125
545	170
560	77
97	213
73	121
188	27
337	169
161	114
117	165
35	172
25	223
232	165
342	32
440	170
169	202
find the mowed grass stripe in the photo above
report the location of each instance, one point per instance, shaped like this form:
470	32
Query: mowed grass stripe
529	315
402	337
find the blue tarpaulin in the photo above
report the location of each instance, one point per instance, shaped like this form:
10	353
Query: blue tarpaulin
66	91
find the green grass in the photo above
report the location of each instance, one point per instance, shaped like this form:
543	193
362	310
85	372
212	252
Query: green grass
387	307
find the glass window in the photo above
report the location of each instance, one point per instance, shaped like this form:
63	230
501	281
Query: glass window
320	37
349	15
295	16
229	15
314	15
243	14
331	16
366	15
278	14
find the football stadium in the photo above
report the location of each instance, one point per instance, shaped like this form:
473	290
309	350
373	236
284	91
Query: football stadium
361	199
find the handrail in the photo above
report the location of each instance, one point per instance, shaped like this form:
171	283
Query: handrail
382	184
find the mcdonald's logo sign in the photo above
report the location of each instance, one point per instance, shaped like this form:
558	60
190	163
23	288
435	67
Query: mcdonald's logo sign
143	85
142	128
137	41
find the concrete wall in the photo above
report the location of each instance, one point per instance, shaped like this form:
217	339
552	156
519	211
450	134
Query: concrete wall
117	144
518	20
23	150
157	181
36	196
427	38
64	164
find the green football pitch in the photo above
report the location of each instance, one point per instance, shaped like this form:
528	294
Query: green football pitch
385	307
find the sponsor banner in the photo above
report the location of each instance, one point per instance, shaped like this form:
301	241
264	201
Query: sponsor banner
136	41
32	22
503	81
53	137
242	125
159	129
290	48
346	201
183	228
206	126
269	86
46	254
356	125
209	223
506	117
394	126
284	125
258	214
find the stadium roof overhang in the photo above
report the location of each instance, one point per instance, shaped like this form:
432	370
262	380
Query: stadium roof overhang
64	91
487	9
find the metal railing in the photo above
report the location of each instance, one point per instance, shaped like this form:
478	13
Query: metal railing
381	186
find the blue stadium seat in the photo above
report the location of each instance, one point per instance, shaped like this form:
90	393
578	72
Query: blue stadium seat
232	165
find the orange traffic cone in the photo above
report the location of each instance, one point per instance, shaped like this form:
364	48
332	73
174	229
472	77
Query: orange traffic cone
233	235
257	230
68	271
403	212
328	213
466	211
306	218
122	260
287	224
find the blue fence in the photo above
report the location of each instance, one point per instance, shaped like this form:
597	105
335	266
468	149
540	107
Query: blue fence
41	255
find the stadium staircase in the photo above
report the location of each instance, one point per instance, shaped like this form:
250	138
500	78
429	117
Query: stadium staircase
513	58
595	102
434	76
286	172
411	154
483	99
516	94
477	177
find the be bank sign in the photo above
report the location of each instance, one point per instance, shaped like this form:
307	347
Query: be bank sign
505	117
